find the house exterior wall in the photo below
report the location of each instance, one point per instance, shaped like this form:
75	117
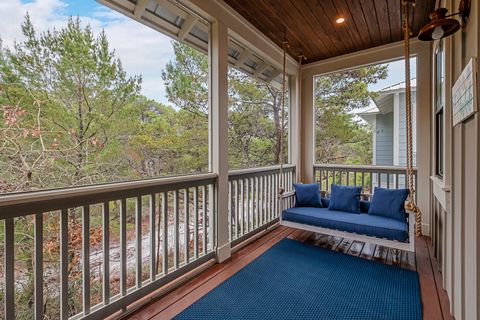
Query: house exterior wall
456	196
389	143
384	139
402	140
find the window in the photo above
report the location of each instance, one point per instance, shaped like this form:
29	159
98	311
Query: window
254	114
117	101
439	107
360	115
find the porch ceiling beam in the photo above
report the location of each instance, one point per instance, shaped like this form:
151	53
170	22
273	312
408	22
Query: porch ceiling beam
140	8
244	55
187	26
274	74
260	69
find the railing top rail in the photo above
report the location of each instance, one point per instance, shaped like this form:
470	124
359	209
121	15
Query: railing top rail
362	168
253	171
18	204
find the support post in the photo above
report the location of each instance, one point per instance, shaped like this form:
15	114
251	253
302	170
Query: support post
218	133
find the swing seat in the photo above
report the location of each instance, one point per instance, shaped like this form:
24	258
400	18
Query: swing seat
364	227
374	226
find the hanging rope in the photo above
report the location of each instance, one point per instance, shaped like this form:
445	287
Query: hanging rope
410	204
281	188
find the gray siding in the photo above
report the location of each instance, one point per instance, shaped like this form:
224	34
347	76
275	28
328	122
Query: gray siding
402	142
384	139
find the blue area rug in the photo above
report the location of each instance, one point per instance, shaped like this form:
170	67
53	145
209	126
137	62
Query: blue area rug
294	280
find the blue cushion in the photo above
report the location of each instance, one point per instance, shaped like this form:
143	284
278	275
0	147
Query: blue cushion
389	203
344	198
364	205
371	225
307	195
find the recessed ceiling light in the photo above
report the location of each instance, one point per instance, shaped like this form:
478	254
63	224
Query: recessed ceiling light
340	20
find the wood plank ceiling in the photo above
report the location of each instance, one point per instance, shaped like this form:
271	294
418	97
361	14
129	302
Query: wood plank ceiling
310	28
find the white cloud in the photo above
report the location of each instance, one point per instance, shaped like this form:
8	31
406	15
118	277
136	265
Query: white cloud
141	49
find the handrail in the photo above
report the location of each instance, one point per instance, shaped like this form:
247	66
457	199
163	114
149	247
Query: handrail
362	168
260	170
18	204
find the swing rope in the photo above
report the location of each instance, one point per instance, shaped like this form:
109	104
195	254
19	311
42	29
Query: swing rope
410	203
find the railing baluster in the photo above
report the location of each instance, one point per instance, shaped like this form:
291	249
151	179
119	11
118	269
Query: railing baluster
261	201
9	268
186	204
371	183
257	207
230	210
195	230
123	247
348	178
106	252
275	194
237	209
247	203
165	232
388	181
153	260
396	181
415	184
86	258
355	179
242	199
176	229
204	219
211	217
269	195
38	273
64	264
138	241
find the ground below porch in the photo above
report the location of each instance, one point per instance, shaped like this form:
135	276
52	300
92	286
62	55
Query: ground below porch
434	298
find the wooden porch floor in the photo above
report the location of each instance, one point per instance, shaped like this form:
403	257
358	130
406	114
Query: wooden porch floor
434	298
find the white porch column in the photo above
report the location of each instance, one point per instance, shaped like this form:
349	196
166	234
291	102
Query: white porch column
219	133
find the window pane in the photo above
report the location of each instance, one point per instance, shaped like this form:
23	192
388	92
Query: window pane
439	102
360	115
92	96
254	121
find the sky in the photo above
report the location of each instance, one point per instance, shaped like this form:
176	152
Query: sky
396	74
141	49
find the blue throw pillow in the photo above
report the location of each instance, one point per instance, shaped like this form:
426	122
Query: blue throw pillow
307	195
389	203
344	198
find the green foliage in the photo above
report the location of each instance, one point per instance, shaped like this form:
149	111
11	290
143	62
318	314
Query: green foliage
64	94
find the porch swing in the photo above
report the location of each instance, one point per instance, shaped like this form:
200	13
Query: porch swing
395	229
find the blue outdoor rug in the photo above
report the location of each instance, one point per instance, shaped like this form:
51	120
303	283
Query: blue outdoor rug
294	280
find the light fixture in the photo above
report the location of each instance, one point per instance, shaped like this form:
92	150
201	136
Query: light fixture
441	25
340	20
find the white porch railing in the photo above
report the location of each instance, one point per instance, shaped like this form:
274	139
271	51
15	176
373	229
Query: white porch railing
252	202
368	176
171	224
114	244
